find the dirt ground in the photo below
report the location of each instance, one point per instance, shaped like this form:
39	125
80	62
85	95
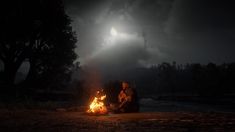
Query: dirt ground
71	121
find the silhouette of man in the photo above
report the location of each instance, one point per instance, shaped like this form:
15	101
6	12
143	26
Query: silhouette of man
127	99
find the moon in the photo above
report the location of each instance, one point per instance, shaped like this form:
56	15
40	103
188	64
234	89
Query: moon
113	32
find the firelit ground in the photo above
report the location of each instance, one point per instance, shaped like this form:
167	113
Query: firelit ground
70	121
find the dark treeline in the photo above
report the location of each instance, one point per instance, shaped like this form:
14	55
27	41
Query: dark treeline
173	81
189	79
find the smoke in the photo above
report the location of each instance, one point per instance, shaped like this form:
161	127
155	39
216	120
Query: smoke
124	52
139	23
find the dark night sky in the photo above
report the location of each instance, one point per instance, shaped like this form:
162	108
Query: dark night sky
185	31
176	30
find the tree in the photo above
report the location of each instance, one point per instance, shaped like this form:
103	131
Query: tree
37	31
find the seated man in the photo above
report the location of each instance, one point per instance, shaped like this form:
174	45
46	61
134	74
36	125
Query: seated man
127	98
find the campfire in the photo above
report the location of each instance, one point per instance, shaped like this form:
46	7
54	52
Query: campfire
124	101
97	105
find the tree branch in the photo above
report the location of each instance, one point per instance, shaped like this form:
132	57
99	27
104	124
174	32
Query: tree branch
2	58
2	53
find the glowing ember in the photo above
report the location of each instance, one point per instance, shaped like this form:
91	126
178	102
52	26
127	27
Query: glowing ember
97	105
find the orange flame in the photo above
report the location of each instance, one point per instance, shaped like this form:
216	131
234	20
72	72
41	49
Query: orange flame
97	105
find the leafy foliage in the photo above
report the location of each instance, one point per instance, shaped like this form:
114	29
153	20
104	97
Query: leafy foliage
39	32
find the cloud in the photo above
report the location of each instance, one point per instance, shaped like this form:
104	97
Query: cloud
175	30
123	49
200	31
201	15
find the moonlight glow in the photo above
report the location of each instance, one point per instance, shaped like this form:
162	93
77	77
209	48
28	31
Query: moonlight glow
113	31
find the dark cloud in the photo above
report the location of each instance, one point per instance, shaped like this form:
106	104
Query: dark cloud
201	31
175	30
203	15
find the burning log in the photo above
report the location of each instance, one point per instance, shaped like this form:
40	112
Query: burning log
97	105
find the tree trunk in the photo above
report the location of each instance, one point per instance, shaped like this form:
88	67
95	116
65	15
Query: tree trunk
10	70
31	74
9	73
